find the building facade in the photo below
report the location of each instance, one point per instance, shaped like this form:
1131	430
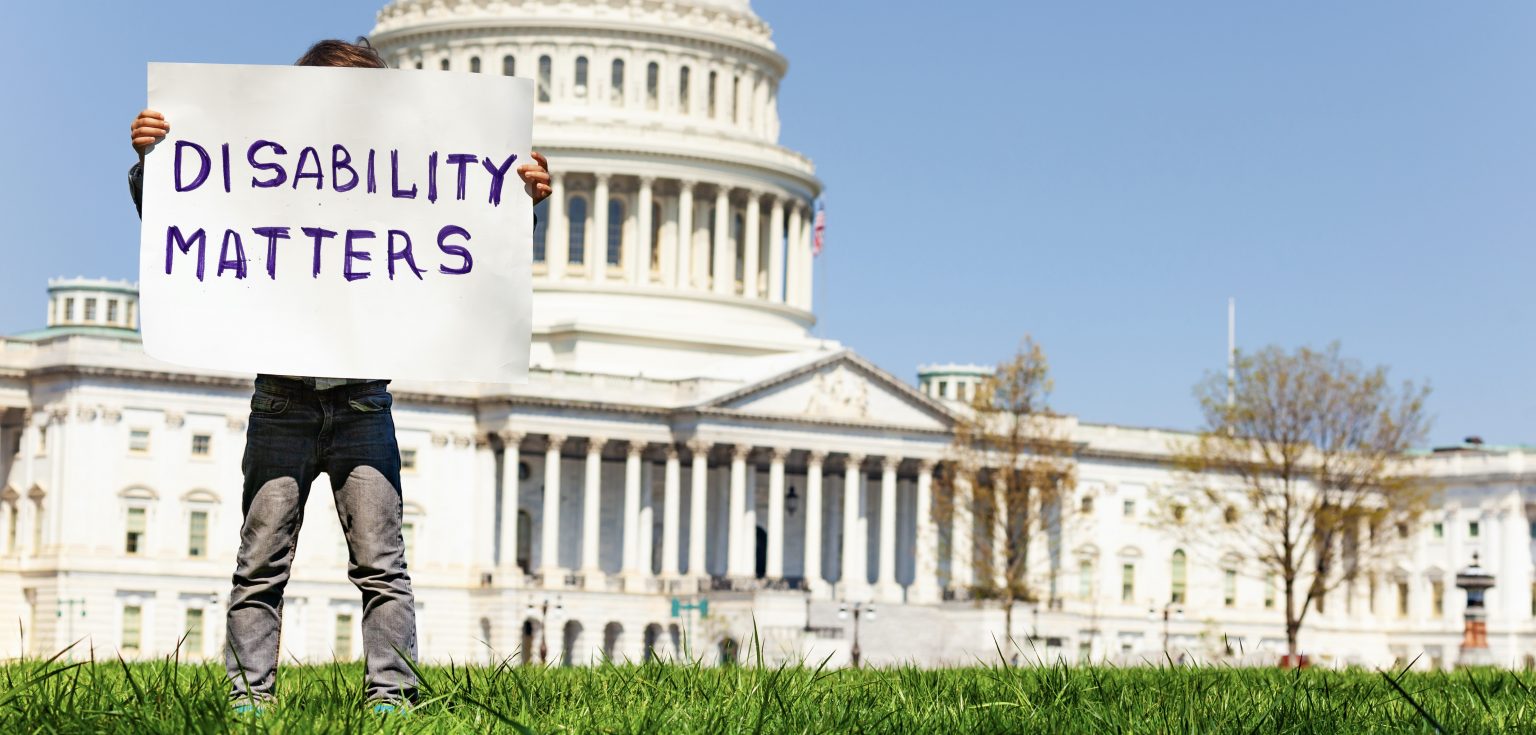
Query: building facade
683	436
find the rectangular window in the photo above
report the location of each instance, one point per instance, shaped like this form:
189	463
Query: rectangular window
546	67
407	460
112	311
138	441
197	534
343	642
1437	598
1269	592
1371	596
682	90
1129	508
408	539
1229	587
714	85
69	310
192	644
1128	583
1085	579
1472	529
90	310
201	445
1439	530
1402	599
133	542
133	628
652	85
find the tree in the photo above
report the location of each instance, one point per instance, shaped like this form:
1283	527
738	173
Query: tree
1302	460
1009	467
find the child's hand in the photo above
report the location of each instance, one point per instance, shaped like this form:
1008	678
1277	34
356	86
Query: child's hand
148	129
536	178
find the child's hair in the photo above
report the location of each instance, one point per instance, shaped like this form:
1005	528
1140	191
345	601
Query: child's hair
334	52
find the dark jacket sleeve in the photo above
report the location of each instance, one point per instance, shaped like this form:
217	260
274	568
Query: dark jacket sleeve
136	186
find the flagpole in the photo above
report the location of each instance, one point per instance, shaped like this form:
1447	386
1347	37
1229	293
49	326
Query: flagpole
1231	351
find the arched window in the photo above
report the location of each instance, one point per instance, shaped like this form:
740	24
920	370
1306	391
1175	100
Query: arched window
443	64
656	237
577	213
581	76
709	258
652	85
1085	581
714	82
616	87
508	66
540	232
1087	504
735	99
1180	575
682	90
474	65
546	68
418	65
615	231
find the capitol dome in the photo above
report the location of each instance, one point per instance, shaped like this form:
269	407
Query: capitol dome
680	230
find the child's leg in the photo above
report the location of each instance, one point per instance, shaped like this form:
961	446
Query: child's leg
280	464
363	462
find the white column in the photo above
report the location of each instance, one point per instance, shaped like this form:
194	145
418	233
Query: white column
753	237
925	585
631	557
639	260
737	562
685	235
484	535
776	251
962	547
1000	535
792	254
813	579
597	238
724	276
670	498
549	541
775	566
855	550
590	511
887	576
557	235
698	489
511	458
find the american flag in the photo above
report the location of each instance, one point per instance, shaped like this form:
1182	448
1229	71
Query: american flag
821	228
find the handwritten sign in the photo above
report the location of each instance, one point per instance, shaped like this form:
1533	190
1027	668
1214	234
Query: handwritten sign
361	223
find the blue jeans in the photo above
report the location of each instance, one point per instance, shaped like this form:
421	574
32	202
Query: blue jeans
295	433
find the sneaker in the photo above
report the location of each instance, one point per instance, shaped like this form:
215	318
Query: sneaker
253	710
388	708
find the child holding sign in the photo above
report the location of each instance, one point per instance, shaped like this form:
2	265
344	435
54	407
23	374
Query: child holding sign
300	427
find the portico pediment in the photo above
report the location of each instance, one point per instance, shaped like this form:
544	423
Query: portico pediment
842	388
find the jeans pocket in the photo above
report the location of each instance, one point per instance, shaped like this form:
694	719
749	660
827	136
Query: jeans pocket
267	404
371	402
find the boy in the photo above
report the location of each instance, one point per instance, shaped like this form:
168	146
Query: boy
300	427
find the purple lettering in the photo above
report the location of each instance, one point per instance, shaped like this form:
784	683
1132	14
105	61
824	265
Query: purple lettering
461	160
279	177
320	235
394	178
373	185
273	234
341	160
309	154
352	255
174	241
202	173
402	254
225	149
458	250
236	263
498	176
432	177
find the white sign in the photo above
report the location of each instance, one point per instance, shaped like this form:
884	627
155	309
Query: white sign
344	223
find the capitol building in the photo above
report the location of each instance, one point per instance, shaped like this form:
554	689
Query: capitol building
688	469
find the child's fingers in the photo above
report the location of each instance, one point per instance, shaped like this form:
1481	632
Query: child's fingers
152	114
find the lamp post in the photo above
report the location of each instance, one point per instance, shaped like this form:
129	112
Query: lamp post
791	501
1474	637
1170	610
858	610
543	610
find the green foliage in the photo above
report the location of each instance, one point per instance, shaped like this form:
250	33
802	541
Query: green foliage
164	697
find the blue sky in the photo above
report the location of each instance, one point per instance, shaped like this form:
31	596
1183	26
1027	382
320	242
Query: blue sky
1101	175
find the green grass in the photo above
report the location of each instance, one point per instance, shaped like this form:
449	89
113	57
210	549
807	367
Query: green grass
164	697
